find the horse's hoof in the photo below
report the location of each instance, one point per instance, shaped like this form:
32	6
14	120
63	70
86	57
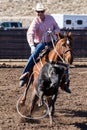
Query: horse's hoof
40	104
22	102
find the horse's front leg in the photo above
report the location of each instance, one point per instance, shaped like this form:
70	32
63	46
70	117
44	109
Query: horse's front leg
23	99
33	101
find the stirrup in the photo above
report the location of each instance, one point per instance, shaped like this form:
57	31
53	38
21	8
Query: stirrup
23	82
24	75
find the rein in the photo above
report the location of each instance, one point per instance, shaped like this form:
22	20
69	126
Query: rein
53	44
56	50
67	51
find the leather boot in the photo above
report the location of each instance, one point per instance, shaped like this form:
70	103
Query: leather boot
66	87
24	79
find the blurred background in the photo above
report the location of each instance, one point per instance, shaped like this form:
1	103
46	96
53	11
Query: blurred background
21	10
16	17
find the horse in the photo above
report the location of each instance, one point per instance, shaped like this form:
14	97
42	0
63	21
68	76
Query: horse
61	51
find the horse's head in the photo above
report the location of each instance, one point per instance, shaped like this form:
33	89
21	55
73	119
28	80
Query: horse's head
64	47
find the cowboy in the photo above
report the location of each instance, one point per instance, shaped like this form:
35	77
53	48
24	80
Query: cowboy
37	39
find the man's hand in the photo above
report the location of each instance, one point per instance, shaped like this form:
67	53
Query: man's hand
32	49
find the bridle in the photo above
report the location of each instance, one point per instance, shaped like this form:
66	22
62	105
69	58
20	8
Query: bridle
68	42
63	52
62	58
67	51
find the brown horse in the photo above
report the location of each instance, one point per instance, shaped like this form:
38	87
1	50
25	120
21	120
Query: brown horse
61	51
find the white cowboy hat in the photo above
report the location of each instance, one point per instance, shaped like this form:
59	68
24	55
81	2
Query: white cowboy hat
39	7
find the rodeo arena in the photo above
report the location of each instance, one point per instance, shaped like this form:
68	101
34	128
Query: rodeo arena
49	107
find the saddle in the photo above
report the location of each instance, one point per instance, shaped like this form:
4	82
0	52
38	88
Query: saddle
42	53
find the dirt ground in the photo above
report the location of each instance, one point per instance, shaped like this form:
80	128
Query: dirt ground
71	109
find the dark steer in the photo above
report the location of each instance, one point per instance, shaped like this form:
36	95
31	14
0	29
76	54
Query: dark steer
48	82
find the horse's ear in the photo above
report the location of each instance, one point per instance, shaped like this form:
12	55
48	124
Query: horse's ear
69	34
59	35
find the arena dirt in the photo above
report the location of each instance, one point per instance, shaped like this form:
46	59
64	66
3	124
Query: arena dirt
71	109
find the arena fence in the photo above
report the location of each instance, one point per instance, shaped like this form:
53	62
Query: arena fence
14	45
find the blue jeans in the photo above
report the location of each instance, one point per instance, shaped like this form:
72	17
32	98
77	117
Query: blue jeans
35	55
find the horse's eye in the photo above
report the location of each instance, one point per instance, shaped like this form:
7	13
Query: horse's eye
63	44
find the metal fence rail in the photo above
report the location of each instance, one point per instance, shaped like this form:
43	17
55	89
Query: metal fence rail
13	44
